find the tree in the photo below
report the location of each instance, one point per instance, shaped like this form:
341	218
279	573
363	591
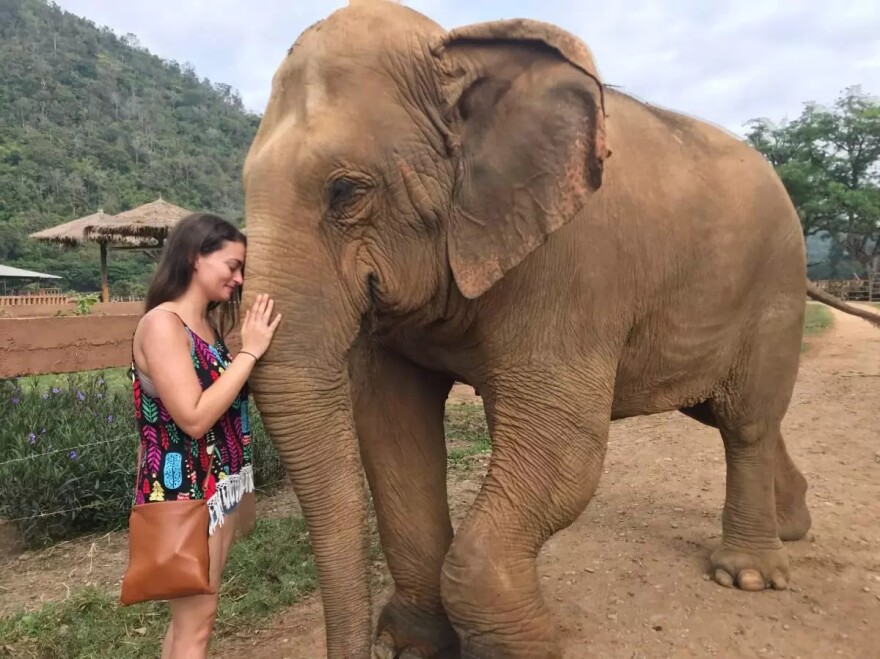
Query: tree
829	161
103	124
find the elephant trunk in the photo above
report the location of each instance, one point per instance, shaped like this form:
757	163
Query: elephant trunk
308	416
301	389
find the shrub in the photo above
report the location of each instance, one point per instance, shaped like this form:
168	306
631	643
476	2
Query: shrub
66	462
67	456
269	472
85	302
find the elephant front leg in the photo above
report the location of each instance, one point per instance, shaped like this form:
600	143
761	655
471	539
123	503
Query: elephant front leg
549	437
399	410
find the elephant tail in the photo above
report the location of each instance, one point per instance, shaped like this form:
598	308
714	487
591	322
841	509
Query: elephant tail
816	293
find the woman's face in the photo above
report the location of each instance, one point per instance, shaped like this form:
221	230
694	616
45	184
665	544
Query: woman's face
219	272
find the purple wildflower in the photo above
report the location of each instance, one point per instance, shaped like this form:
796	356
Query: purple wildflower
56	390
80	395
15	401
73	455
32	438
101	381
110	419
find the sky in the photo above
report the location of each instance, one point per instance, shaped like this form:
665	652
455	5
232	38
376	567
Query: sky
723	61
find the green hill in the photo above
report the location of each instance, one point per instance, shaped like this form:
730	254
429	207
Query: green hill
90	120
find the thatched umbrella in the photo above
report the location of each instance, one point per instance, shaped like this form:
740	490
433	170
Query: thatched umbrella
70	233
73	233
150	221
142	227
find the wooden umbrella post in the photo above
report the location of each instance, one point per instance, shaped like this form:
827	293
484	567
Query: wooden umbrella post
105	284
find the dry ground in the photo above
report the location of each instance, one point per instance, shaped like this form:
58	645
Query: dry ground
629	577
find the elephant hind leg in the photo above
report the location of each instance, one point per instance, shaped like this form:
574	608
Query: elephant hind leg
749	408
751	553
792	515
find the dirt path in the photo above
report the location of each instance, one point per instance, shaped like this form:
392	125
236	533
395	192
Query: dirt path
630	577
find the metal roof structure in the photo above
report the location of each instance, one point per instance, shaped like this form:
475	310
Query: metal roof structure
9	271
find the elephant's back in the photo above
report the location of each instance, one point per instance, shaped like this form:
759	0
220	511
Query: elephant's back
692	192
713	243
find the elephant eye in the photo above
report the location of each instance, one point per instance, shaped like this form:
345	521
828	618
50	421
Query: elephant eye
340	191
345	194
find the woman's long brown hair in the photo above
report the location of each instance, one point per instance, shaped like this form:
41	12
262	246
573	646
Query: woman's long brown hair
196	234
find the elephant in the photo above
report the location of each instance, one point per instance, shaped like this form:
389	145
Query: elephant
476	205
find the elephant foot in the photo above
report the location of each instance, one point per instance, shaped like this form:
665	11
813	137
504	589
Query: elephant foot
404	632
386	647
751	570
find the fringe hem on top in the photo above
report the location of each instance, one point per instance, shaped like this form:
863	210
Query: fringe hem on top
229	492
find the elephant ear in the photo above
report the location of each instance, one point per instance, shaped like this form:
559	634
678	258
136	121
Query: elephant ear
525	109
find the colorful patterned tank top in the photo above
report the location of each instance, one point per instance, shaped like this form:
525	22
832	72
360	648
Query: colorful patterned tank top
174	465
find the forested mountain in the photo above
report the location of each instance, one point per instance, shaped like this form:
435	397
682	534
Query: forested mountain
89	120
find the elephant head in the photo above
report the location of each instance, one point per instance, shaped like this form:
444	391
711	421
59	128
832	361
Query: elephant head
397	165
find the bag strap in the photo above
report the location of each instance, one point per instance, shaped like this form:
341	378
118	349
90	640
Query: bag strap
137	471
140	455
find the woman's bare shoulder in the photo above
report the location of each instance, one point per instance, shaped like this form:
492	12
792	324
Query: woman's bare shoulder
159	327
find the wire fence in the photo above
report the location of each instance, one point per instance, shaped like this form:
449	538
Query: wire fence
67	450
100	504
263	487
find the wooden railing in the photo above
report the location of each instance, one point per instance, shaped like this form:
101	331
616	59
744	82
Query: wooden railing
32	300
855	290
34	346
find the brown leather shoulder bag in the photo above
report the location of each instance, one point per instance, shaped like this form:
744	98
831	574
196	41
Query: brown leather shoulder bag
167	549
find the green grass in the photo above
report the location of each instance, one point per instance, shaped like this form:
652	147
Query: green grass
117	379
466	427
271	569
817	320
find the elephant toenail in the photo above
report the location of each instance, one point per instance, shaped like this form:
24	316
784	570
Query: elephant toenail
751	580
384	647
779	581
722	577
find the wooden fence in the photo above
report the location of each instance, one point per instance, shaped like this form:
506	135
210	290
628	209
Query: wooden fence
38	345
854	290
34	346
32	300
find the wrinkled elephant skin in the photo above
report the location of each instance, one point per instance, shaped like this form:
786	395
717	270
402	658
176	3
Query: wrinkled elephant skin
428	206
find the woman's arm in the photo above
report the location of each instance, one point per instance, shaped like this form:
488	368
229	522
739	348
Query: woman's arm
164	344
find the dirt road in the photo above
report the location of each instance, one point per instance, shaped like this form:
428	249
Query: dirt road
630	577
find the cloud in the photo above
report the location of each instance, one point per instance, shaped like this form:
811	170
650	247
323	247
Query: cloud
726	61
